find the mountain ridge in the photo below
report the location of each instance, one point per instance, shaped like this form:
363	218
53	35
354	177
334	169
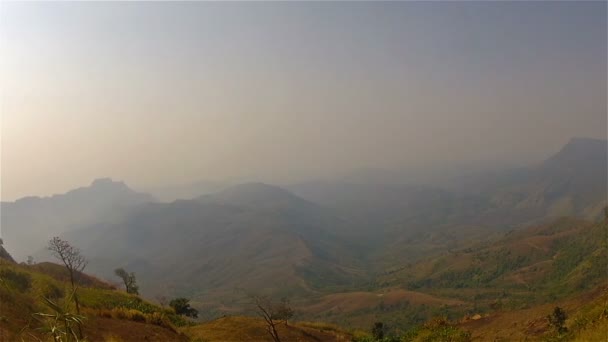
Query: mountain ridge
28	223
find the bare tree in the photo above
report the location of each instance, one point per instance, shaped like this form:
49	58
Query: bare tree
162	300
273	314
74	262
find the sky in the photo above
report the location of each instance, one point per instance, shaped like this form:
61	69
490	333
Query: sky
170	92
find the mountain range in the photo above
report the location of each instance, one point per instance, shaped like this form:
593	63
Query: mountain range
28	223
310	240
252	237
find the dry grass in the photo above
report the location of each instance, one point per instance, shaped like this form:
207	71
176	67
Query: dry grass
353	301
116	324
105	329
591	309
232	329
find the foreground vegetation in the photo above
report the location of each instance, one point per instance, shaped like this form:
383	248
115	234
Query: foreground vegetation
36	301
544	283
37	304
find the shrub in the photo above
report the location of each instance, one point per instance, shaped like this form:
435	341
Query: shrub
378	330
439	329
558	319
156	318
182	307
437	322
51	291
177	320
448	334
137	316
17	280
128	314
119	313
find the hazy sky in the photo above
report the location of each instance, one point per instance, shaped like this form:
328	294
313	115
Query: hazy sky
169	92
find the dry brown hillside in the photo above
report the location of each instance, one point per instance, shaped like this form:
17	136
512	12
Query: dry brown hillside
253	329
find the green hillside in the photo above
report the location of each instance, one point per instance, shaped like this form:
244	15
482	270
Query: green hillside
536	265
566	251
36	305
35	299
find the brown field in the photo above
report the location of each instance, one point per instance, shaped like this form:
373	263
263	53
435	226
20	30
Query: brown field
229	329
104	330
531	324
353	301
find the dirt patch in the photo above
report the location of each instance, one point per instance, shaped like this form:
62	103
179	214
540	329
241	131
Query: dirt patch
101	329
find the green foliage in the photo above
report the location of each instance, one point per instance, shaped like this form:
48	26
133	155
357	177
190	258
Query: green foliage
50	312
378	330
437	330
582	261
489	266
558	320
128	279
178	320
113	300
51	291
60	324
182	307
447	334
283	310
128	314
108	299
16	280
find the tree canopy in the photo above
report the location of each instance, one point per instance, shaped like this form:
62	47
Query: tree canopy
128	279
182	307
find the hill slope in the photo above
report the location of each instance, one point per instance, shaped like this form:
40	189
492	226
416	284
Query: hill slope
393	222
240	328
587	321
542	262
251	238
572	182
28	223
110	315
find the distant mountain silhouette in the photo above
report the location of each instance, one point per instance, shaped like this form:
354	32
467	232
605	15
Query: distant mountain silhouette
28	223
309	237
255	195
388	216
571	182
252	236
185	191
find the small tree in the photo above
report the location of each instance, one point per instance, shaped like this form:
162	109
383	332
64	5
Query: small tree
378	331
273	313
182	307
558	320
74	262
128	279
283	310
30	260
162	300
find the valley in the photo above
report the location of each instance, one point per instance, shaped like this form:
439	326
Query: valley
348	254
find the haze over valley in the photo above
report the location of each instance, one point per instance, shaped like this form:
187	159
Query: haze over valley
304	171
